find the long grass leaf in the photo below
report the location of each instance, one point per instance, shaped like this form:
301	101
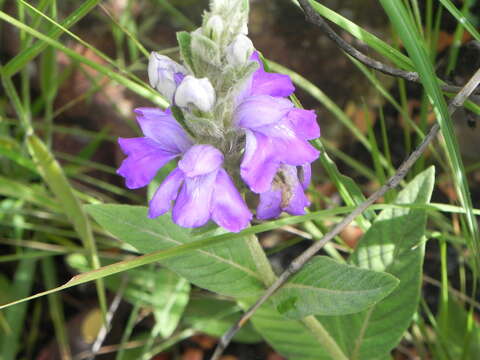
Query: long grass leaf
56	180
176	251
371	40
417	52
19	61
24	275
461	18
56	309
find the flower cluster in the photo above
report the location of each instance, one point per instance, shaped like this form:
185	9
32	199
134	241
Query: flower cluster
234	128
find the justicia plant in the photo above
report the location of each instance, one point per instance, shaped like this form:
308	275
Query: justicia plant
237	148
230	126
231	132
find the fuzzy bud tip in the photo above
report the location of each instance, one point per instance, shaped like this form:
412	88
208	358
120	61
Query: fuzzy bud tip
197	92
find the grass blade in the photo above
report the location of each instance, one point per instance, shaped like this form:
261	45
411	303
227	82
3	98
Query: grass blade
461	18
56	180
371	40
56	309
418	54
9	343
142	90
22	59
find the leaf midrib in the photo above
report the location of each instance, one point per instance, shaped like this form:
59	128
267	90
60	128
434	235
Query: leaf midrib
330	291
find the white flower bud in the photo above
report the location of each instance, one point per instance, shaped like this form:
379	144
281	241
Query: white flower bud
214	27
197	92
165	74
240	50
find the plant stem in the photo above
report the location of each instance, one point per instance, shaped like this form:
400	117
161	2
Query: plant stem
323	337
260	259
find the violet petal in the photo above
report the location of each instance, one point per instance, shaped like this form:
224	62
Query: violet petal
228	207
273	84
295	199
259	164
162	74
304	123
162	127
166	193
200	160
305	175
289	148
144	159
192	207
261	110
269	206
197	92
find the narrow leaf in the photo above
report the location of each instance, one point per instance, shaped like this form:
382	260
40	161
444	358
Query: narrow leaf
19	61
15	317
56	180
196	243
418	53
140	89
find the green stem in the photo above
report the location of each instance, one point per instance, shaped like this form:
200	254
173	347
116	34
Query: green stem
324	338
261	261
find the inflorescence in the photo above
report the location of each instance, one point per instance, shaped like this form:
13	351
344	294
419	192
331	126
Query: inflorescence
230	125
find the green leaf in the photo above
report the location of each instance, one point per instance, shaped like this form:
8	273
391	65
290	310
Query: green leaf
326	287
21	60
205	55
140	89
461	18
348	189
197	243
371	40
215	317
58	183
394	244
185	42
452	332
55	305
289	337
160	289
416	50
224	268
170	294
36	194
15	316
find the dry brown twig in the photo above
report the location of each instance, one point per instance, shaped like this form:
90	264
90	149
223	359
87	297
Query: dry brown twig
315	18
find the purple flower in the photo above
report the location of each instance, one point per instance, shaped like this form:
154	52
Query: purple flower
286	193
202	190
164	140
276	132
